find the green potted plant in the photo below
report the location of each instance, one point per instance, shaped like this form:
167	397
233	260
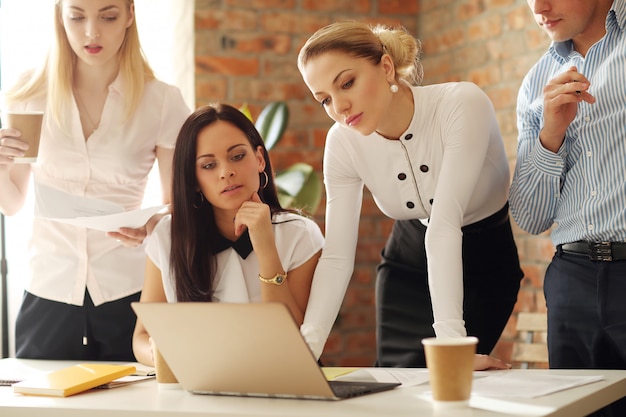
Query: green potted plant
298	186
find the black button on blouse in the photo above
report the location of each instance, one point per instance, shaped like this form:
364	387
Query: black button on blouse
402	176
410	204
424	168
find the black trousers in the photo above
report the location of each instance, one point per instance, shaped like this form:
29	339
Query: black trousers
491	281
48	329
587	316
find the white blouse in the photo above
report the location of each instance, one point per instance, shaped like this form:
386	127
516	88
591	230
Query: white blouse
236	280
112	165
449	169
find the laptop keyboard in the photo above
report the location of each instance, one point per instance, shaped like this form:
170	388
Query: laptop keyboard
347	389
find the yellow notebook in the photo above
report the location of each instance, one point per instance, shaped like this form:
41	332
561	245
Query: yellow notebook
72	380
332	372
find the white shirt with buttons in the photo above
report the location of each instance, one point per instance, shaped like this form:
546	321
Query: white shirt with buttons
113	165
449	168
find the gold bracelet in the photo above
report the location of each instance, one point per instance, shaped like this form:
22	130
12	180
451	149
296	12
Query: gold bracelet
277	279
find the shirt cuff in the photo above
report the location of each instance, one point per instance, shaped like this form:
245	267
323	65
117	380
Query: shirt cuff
314	338
450	328
549	162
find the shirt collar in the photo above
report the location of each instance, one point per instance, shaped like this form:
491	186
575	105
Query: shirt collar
243	245
117	84
618	12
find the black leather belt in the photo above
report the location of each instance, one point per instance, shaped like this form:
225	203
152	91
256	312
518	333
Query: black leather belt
597	251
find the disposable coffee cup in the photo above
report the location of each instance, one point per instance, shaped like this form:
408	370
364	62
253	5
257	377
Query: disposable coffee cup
164	375
29	123
450	363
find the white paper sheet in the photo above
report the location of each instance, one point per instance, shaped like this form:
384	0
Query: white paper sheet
59	206
498	390
527	385
406	376
112	222
51	203
493	384
509	408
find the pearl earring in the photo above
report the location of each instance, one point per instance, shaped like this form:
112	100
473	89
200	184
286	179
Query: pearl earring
393	88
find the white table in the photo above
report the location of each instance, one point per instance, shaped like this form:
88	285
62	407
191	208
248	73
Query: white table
145	399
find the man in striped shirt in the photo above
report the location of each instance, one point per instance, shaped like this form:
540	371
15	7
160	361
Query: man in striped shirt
571	176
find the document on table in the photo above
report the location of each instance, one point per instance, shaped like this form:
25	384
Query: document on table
62	207
143	370
406	376
498	390
512	384
527	385
12	371
126	380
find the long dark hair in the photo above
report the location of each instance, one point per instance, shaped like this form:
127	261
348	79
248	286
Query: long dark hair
193	253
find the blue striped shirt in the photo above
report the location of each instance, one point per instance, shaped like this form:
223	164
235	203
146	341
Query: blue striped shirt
581	189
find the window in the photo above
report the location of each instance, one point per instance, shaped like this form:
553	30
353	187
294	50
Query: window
167	35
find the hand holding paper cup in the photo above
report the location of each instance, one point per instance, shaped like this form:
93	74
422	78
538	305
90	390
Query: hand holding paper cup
29	123
450	363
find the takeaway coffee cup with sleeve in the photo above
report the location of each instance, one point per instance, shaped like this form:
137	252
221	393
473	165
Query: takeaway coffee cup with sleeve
450	363
164	375
29	123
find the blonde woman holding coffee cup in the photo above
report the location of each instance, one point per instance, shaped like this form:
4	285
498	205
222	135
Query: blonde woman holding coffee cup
107	119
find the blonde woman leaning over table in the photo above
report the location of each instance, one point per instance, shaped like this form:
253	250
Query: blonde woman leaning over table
434	160
107	119
227	238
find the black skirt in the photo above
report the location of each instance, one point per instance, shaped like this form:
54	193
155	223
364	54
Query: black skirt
491	281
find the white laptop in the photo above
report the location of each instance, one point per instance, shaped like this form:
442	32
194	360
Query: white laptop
251	349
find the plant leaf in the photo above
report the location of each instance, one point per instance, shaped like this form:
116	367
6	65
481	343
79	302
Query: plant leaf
246	110
299	187
272	123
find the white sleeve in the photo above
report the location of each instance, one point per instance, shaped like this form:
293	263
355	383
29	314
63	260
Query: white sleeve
159	243
344	192
468	127
174	112
297	239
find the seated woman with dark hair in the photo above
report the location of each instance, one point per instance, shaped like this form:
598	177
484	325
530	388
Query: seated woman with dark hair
227	238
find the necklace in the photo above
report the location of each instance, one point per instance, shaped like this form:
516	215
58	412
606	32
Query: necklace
82	109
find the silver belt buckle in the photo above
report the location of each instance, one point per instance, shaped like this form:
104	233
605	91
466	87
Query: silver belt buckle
600	251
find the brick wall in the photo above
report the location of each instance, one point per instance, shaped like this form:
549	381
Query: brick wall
246	53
